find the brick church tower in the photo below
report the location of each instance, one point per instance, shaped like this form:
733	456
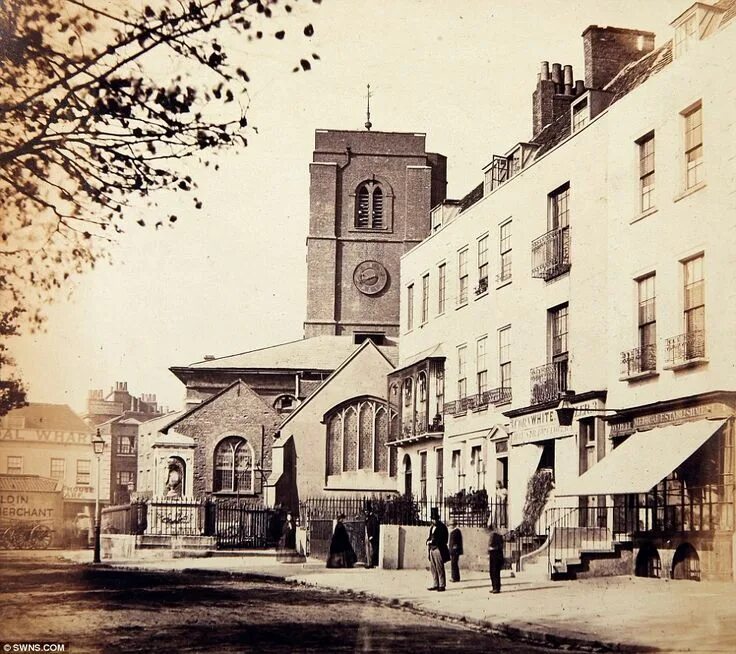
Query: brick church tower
370	198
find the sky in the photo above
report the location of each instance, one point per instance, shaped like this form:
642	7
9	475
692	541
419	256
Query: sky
232	277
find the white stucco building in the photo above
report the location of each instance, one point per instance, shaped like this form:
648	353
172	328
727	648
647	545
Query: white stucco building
594	263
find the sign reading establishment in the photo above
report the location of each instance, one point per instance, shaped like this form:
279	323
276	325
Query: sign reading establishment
671	417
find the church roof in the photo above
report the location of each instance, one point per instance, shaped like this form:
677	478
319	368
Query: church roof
316	353
185	414
344	364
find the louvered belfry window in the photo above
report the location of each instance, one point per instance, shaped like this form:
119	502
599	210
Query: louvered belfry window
369	206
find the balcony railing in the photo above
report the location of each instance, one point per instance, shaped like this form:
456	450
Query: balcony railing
421	426
685	347
639	360
479	401
551	254
548	381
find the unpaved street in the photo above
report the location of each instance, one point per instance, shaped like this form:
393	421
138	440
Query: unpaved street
107	610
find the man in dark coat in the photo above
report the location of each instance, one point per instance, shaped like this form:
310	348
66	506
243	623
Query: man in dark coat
495	557
439	554
372	531
456	550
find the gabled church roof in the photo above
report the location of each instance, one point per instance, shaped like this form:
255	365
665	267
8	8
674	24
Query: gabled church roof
177	419
336	372
316	353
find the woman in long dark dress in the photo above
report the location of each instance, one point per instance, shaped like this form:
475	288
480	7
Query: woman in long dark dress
287	543
342	554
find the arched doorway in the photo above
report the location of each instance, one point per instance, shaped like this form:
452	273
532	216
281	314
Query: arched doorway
648	563
686	563
407	475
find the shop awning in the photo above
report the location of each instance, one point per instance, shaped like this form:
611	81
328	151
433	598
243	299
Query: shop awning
642	460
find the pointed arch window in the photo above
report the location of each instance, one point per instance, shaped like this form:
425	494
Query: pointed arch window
357	438
369	206
233	466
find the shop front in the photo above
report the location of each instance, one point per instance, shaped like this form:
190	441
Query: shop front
670	480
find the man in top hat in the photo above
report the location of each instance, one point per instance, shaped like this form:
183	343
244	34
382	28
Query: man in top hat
439	553
372	530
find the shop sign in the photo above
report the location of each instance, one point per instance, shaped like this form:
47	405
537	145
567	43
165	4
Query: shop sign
663	418
543	425
77	492
45	436
26	506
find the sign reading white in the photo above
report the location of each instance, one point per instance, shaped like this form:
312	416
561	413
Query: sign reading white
543	425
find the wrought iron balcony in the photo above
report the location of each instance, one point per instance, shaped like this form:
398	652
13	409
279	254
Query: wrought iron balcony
548	381
482	286
639	360
684	348
551	254
504	275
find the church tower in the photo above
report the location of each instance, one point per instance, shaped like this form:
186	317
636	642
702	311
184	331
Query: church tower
370	198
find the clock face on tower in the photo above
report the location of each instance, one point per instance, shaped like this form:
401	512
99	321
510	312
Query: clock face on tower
370	277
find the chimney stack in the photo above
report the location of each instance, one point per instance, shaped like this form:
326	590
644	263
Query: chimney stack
610	49
553	95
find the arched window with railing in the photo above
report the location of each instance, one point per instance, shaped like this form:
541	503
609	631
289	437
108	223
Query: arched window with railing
233	466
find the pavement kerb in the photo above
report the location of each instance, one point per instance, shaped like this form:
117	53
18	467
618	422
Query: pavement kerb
514	632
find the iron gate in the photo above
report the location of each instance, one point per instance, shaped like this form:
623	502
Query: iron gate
235	526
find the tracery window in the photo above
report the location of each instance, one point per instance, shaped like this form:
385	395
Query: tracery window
233	469
357	434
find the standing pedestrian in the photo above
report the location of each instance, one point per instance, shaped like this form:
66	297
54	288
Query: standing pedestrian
438	552
500	500
286	552
342	554
372	533
495	557
456	550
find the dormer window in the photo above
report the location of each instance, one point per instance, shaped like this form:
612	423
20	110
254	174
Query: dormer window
694	24
685	34
580	115
436	217
369	206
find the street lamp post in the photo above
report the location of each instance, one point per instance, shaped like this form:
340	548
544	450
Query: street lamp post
98	445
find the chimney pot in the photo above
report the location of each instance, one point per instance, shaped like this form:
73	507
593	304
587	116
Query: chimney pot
545	70
557	73
579	87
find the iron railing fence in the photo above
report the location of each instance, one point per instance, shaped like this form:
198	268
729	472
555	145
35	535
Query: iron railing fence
125	518
668	510
551	254
465	509
233	523
685	347
639	360
237	525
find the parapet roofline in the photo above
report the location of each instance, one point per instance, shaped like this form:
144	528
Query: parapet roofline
363	131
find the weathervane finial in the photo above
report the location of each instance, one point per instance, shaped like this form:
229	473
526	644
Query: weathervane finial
368	123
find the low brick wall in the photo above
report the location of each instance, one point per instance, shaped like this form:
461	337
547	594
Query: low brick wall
405	548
